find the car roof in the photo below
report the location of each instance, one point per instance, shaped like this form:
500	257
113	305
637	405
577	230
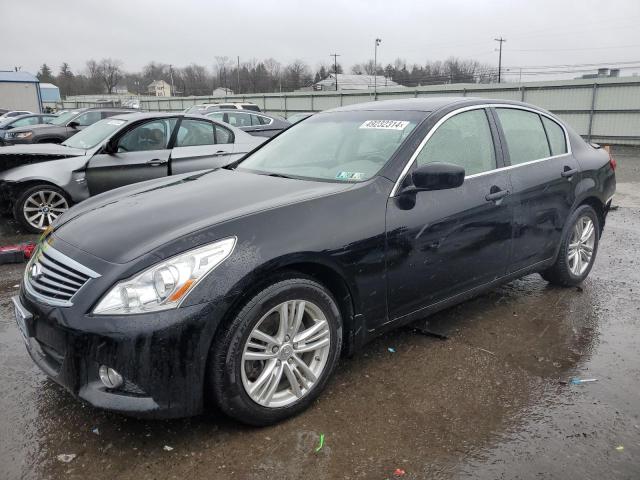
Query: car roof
132	117
425	104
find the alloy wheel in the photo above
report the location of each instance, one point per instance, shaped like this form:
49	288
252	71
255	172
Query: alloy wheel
580	251
43	207
285	353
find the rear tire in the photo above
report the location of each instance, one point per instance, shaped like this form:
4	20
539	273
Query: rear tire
577	250
36	207
259	370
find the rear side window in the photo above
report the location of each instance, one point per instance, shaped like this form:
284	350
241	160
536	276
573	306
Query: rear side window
223	135
525	135
465	140
239	119
555	134
195	132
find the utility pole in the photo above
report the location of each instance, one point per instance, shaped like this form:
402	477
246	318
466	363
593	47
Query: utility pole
335	67
171	94
238	74
501	41
375	69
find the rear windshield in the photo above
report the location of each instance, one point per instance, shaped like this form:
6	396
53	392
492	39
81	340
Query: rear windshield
336	146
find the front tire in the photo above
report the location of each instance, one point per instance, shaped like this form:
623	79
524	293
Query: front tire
36	207
278	353
577	250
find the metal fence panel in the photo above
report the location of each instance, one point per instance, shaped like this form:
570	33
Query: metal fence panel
603	109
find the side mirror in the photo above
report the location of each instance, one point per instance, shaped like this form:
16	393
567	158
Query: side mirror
436	176
110	147
73	125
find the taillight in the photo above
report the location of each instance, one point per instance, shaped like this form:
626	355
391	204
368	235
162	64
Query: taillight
612	162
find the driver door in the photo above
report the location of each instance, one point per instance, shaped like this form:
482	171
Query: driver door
141	153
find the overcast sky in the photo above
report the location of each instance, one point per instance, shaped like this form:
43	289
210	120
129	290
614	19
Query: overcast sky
538	32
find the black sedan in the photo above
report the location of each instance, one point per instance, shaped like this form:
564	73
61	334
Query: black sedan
257	124
240	287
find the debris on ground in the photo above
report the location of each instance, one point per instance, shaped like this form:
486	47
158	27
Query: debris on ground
167	448
16	253
620	448
96	431
66	457
399	472
391	350
579	381
320	443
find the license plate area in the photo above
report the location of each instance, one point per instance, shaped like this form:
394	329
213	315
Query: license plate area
23	318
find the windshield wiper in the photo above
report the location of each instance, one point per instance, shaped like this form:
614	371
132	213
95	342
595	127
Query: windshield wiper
279	175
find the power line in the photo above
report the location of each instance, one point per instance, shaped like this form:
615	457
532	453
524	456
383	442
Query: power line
501	41
335	67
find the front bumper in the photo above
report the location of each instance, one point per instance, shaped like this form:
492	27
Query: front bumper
162	356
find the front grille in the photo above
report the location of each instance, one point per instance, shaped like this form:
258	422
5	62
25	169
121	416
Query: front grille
54	277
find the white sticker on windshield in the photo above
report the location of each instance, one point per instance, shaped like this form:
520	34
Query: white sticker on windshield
115	122
385	124
350	176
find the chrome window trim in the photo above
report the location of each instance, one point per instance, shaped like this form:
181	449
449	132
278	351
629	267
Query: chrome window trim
263	116
407	167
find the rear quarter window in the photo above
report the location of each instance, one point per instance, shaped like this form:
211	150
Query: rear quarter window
555	134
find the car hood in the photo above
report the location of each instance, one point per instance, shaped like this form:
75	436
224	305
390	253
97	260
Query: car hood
17	155
126	223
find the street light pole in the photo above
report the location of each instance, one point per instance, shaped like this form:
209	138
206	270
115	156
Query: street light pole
375	69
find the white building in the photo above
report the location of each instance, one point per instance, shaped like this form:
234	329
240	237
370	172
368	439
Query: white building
354	82
159	88
20	91
222	92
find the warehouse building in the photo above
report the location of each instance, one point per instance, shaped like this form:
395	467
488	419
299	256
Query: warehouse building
20	91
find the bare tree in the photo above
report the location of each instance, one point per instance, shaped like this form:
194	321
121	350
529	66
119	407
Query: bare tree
110	72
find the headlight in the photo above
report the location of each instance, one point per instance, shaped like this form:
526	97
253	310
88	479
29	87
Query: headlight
19	135
166	284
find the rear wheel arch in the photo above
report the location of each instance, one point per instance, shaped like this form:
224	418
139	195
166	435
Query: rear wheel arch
595	203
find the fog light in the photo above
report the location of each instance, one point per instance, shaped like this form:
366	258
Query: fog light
110	378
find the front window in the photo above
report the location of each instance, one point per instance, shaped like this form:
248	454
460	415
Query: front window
153	135
63	118
338	146
94	134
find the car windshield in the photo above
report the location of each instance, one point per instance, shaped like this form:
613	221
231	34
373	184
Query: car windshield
338	146
94	134
64	117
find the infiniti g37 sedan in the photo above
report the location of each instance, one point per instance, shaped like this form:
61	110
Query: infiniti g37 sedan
40	182
239	287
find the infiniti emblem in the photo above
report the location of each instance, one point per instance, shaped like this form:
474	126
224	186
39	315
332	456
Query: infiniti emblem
36	271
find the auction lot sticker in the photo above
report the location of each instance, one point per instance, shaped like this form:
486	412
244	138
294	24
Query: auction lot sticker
385	124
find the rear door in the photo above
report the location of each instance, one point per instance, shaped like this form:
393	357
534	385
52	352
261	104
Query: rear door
201	144
142	153
543	176
445	242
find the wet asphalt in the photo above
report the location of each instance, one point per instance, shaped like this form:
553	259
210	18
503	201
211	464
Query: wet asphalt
493	400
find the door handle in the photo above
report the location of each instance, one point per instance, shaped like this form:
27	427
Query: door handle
156	162
569	172
495	196
219	153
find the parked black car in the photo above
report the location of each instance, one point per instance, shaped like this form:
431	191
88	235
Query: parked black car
10	123
240	287
61	126
38	183
257	124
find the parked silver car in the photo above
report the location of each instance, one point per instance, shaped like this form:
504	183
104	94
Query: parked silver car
40	182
